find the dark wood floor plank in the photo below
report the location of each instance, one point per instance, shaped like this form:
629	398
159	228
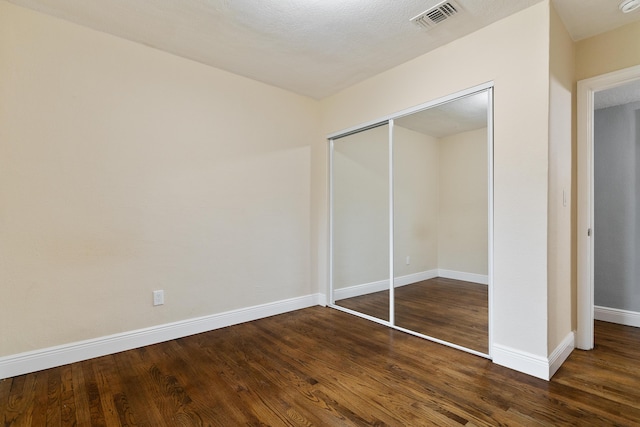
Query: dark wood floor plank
135	405
374	356
109	387
149	404
375	364
54	389
80	391
249	383
93	394
5	396
41	398
10	400
197	392
222	403
276	365
397	398
228	336
106	366
20	404
318	367
67	398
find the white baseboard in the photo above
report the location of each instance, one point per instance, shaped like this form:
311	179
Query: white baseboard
521	361
357	290
461	275
415	277
322	299
382	285
561	353
615	315
531	364
22	363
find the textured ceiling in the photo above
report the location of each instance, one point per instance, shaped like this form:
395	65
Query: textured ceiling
311	47
460	115
620	95
586	18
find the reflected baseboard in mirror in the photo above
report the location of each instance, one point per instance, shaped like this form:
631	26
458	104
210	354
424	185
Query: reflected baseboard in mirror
450	310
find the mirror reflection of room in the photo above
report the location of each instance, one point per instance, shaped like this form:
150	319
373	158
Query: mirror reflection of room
440	223
361	247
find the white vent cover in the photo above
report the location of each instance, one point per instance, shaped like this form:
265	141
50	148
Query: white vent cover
437	14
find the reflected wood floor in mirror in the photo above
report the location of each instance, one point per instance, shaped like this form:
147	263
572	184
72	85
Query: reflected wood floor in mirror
450	310
324	367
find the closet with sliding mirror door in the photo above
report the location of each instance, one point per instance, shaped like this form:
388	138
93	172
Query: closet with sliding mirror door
411	220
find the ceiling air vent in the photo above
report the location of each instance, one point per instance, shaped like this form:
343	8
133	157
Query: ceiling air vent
437	14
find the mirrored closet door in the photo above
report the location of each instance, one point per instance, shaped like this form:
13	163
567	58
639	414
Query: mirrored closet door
411	220
361	221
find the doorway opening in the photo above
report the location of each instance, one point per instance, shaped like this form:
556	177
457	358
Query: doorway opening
587	232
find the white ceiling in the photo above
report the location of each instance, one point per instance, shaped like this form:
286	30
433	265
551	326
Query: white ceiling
311	47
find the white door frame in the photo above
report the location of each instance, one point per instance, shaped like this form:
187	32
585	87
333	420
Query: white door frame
586	90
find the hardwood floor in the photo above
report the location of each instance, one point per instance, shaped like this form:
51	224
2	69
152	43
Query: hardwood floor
451	310
323	367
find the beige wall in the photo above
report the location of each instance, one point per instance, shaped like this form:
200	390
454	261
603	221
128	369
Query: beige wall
514	53
560	277
416	184
124	169
361	208
610	51
463	203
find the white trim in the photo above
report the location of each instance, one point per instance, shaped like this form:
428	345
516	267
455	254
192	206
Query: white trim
382	285
481	279
322	299
585	94
439	341
561	353
415	278
392	275
521	361
331	222
22	363
383	120
531	364
584	332
490	214
616	315
358	290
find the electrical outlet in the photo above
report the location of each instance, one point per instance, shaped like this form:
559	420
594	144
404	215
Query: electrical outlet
408	260
158	297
